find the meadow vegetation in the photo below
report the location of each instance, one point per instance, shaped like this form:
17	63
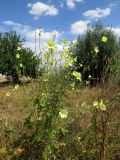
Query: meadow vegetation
71	109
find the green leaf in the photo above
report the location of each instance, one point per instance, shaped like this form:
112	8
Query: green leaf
38	137
65	53
46	55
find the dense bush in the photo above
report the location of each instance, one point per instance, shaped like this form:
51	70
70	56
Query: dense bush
95	51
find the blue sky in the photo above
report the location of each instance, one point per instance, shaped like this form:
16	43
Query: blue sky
65	18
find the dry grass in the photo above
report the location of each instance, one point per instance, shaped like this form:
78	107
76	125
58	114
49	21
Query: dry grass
15	108
14	105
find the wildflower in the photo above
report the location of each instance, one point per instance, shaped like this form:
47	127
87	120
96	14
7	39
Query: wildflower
77	75
89	76
95	104
104	39
64	42
8	94
17	56
51	44
81	65
16	86
96	49
21	65
18	48
79	138
63	113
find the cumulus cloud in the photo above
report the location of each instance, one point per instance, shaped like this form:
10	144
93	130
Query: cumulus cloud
29	34
72	3
97	13
79	27
38	9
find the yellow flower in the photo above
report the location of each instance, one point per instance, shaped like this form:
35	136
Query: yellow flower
104	39
96	49
21	65
77	75
63	113
18	48
17	56
8	94
16	86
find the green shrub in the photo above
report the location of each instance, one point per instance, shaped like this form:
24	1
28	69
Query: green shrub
95	51
14	59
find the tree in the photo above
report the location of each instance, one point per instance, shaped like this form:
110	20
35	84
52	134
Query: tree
30	63
94	51
14	58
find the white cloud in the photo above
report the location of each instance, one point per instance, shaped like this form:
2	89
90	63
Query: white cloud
44	38
29	34
97	13
72	3
116	30
11	23
79	27
38	9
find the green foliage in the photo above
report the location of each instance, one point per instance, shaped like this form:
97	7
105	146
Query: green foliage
82	131
29	63
51	89
95	51
14	59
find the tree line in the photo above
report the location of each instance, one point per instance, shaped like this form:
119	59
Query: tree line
94	51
